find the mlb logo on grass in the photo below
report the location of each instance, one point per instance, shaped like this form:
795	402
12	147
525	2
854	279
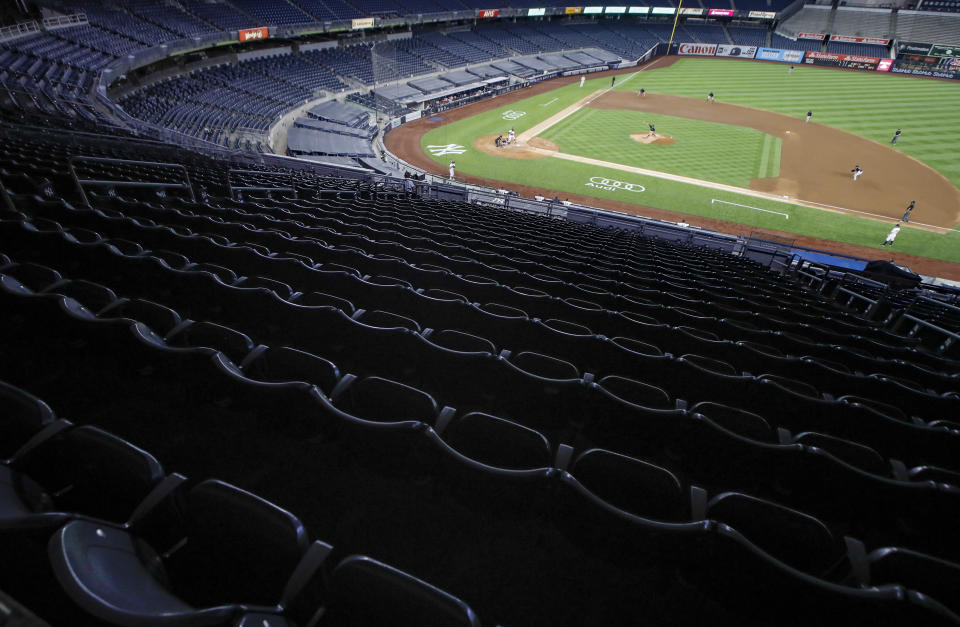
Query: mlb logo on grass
510	114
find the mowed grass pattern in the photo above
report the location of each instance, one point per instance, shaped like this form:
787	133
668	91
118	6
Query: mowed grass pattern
571	178
872	104
722	153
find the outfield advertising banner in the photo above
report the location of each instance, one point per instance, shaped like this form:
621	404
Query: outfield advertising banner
944	51
914	71
818	36
763	15
884	65
859	40
912	47
251	34
686	11
921	65
363	22
696	48
742	52
488	13
850	61
573	10
721	12
778	54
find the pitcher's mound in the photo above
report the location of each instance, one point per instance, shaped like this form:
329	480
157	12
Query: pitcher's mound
536	148
656	140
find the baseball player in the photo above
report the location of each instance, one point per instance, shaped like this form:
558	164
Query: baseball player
653	131
809	115
906	214
896	136
892	235
511	136
583	77
453	167
791	69
857	171
613	81
710	97
642	93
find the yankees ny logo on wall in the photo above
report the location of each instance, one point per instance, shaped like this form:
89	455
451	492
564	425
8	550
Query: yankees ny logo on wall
510	114
611	185
446	149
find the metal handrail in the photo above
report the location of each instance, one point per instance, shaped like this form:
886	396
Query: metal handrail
72	161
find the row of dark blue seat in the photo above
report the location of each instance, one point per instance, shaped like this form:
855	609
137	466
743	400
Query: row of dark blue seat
850	417
130	544
375	399
595	484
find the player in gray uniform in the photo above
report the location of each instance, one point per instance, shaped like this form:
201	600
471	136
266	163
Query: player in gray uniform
906	214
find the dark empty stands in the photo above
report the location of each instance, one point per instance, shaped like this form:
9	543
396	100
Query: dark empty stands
472	395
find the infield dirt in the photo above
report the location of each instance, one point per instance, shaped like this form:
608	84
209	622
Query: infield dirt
875	158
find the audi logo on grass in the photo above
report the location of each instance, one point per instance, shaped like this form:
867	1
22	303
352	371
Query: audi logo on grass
611	185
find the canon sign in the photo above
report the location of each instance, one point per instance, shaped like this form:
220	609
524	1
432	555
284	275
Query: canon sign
704	49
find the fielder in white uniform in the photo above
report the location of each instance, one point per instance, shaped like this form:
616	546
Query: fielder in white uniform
453	167
892	235
582	78
857	171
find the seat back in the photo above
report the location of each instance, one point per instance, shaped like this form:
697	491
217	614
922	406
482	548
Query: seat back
92	472
365	592
930	575
384	400
791	536
853	453
739	421
21	416
239	548
230	342
159	318
282	363
497	442
631	484
544	366
636	392
462	342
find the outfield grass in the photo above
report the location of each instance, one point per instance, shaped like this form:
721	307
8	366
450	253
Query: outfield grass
873	105
710	151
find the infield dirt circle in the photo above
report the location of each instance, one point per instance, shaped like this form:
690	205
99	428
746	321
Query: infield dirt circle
536	148
655	140
815	165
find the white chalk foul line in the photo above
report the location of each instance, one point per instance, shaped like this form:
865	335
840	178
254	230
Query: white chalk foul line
549	103
533	131
736	204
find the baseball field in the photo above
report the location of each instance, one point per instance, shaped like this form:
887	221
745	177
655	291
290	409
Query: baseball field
748	160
